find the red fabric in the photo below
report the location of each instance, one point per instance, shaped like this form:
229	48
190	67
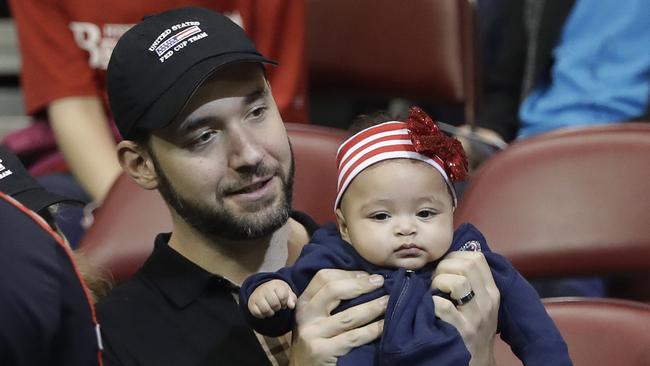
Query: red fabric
430	141
66	44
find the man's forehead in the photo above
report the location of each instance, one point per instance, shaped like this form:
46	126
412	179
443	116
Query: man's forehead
232	81
241	87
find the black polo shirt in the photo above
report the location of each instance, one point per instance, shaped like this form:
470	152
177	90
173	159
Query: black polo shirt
173	312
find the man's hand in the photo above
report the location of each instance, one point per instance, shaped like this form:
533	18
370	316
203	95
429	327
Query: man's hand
320	338
475	320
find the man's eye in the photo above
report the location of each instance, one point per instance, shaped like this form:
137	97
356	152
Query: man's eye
425	214
380	216
205	137
258	112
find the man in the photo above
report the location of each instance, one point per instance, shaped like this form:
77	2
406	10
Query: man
192	101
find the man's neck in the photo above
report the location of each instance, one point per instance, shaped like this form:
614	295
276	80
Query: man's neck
233	260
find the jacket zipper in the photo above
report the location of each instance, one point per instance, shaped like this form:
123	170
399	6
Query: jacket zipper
407	279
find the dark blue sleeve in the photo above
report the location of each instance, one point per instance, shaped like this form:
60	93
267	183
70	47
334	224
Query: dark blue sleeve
45	314
320	253
282	321
523	321
30	291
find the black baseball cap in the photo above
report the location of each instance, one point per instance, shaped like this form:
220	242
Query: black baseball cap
157	65
16	182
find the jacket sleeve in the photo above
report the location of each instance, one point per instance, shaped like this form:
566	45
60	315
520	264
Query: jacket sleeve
523	321
313	258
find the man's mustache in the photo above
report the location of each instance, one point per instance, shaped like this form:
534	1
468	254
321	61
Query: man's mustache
252	175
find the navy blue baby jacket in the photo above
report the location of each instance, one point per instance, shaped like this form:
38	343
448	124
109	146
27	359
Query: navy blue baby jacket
412	334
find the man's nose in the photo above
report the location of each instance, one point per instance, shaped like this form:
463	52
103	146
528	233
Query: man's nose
244	149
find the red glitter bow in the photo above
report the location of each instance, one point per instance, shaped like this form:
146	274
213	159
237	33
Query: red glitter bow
430	141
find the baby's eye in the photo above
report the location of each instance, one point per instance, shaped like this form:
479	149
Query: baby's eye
426	214
380	216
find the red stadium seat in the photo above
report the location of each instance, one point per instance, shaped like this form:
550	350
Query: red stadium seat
573	202
598	332
421	50
315	149
122	235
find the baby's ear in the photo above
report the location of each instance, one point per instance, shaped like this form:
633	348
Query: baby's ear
343	227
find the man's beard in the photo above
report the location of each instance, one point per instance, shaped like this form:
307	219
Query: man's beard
221	222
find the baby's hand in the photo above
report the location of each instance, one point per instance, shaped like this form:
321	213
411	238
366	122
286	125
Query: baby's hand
270	297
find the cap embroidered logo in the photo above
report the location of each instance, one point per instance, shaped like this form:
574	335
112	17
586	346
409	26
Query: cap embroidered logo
186	33
4	172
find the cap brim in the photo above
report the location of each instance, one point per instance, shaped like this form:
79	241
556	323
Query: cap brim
163	111
37	199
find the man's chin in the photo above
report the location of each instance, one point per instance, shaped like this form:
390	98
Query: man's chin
244	207
257	226
259	218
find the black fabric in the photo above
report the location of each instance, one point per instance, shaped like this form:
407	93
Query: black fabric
45	318
503	89
172	312
306	221
149	93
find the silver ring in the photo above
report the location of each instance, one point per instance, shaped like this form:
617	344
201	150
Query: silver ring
465	299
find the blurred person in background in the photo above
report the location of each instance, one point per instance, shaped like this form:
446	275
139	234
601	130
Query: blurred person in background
565	64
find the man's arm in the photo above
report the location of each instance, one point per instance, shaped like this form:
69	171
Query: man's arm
82	132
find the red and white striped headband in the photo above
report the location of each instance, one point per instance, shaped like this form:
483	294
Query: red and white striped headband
416	139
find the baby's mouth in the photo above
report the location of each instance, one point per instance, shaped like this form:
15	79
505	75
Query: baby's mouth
409	250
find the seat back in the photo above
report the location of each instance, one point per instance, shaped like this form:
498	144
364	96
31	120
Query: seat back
410	49
568	203
122	234
598	332
314	148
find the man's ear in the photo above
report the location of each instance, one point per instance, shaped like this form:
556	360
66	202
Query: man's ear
137	163
343	226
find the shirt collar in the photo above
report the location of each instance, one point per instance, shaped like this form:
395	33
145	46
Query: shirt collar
179	279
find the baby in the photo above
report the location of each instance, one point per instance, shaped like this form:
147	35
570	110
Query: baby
394	210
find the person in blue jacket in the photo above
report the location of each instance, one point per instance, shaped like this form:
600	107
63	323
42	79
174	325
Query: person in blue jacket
394	210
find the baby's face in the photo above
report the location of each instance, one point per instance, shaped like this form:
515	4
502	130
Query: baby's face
398	213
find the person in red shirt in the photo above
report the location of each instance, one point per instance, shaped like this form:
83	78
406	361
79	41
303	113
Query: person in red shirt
65	47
